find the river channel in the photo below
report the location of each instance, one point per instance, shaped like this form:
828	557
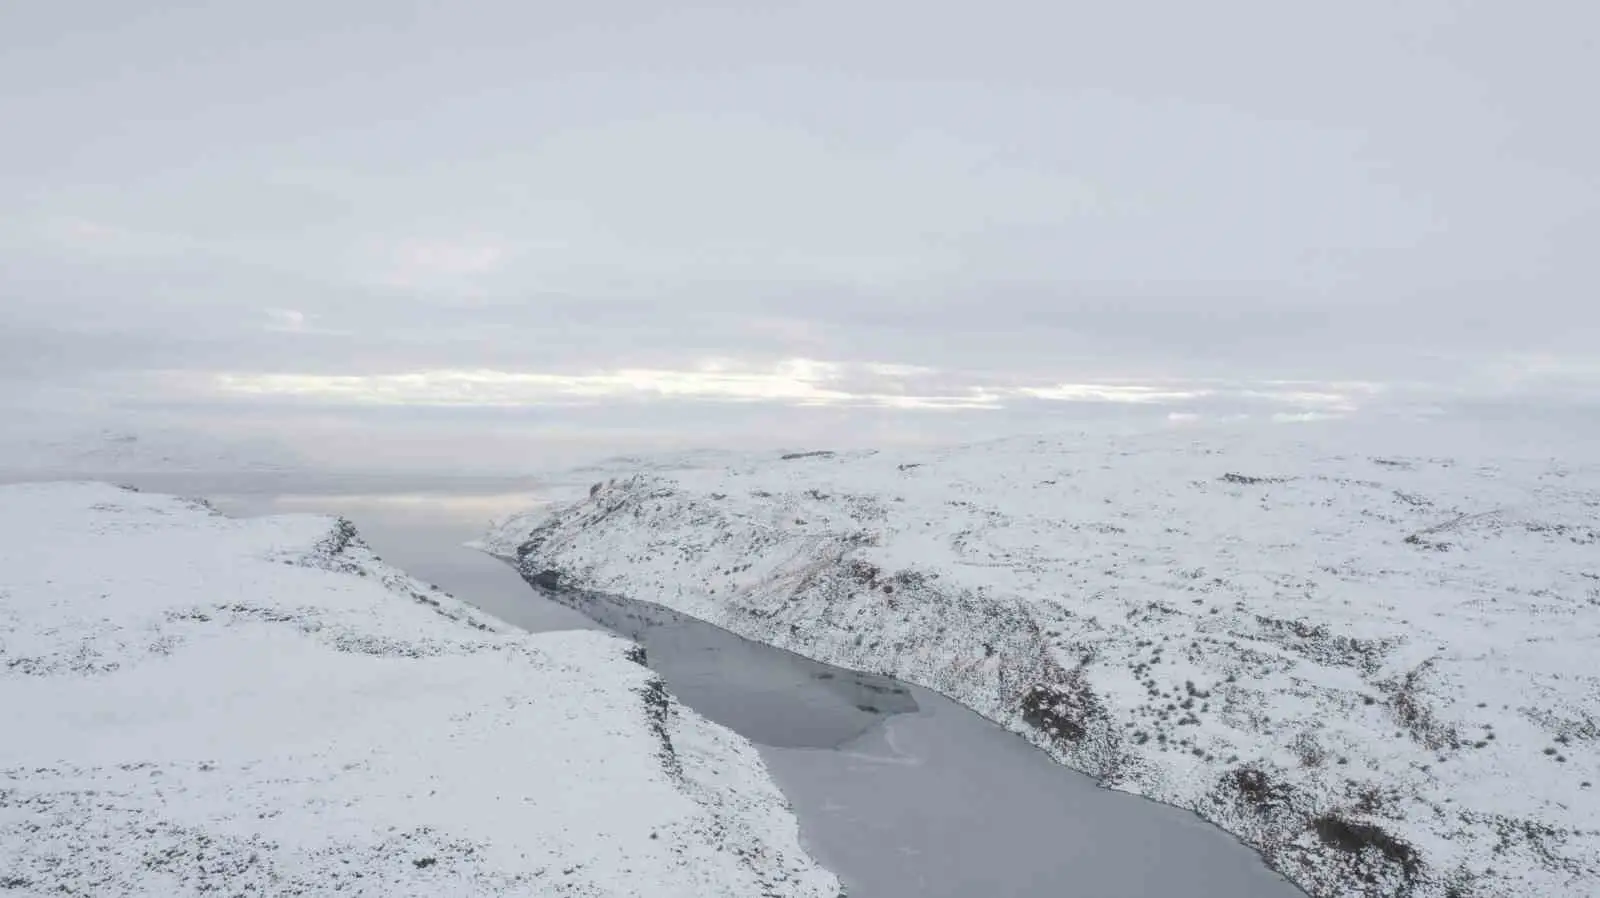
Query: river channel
898	790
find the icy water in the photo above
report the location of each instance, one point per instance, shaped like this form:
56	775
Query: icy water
900	791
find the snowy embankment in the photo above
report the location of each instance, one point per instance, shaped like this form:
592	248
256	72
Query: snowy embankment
1381	671
198	704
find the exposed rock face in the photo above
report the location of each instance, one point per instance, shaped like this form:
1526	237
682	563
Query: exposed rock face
1269	635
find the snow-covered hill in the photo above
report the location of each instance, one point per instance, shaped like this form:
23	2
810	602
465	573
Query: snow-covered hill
195	704
1379	669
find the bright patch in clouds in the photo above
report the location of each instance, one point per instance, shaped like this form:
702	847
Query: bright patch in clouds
291	320
801	382
1111	393
1302	417
792	382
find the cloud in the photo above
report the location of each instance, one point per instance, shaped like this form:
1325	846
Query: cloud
1566	376
79	230
93	237
1321	399
792	382
729	223
420	263
798	382
288	320
1132	393
1303	417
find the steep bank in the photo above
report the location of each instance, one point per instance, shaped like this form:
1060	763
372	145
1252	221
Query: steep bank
197	704
1376	669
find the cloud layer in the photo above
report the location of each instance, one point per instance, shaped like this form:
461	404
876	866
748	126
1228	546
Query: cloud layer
695	224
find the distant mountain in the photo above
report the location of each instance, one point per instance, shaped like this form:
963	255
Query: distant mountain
112	451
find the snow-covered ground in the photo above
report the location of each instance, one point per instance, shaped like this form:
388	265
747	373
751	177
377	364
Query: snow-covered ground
194	703
1378	668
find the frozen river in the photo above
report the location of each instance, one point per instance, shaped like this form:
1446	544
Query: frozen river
899	790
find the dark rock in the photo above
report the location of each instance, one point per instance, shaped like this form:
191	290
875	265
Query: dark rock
1062	710
1357	838
1257	789
546	579
1247	480
658	712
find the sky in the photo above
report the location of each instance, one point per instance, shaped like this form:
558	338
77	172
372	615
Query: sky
463	234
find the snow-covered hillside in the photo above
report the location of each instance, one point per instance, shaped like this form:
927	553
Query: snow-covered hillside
1381	670
196	704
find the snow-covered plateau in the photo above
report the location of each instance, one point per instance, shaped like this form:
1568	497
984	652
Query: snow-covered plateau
197	704
1378	669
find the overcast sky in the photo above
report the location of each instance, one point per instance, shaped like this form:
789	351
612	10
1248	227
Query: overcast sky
459	230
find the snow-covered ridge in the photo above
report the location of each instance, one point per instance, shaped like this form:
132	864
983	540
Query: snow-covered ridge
200	704
1378	669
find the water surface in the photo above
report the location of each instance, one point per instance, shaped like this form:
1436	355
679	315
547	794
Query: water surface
903	792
